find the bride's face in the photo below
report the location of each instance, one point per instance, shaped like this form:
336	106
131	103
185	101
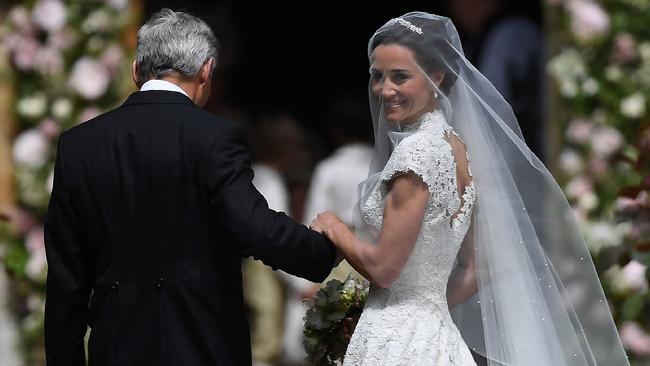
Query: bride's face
396	79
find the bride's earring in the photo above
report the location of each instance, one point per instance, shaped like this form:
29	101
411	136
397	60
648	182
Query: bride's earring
435	95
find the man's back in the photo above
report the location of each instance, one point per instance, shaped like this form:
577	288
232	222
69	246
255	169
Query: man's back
152	210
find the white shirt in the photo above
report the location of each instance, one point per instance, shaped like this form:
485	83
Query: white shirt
334	185
271	185
162	85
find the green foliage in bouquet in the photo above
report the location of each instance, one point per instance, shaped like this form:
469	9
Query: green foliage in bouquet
330	321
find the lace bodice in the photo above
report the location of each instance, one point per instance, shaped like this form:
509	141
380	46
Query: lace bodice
409	322
428	154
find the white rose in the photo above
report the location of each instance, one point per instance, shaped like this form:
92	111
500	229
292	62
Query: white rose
568	88
605	141
97	21
49	182
603	234
49	15
61	108
32	107
644	51
614	73
89	78
567	68
571	162
590	86
588	201
118	4
31	148
633	106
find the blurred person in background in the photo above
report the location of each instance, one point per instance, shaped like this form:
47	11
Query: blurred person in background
275	298
334	183
508	49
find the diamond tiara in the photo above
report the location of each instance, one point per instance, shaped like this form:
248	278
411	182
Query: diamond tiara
406	24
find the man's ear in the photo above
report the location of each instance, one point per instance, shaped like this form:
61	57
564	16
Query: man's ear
206	71
134	74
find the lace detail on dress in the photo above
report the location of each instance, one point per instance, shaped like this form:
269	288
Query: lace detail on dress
409	323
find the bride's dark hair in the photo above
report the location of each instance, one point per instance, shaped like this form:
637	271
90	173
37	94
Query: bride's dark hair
431	51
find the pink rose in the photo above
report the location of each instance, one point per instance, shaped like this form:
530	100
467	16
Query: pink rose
62	39
18	217
112	58
35	243
635	339
89	78
48	61
579	130
579	186
19	17
49	128
624	48
634	274
25	53
598	166
49	15
588	19
627	205
605	141
88	114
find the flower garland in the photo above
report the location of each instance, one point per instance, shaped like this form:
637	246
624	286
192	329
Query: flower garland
602	75
67	62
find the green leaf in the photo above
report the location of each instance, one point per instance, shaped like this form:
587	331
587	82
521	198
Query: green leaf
16	259
633	306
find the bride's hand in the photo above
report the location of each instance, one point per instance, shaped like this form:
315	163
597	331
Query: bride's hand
328	224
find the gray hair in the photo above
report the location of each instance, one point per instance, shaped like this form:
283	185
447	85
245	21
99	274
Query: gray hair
173	41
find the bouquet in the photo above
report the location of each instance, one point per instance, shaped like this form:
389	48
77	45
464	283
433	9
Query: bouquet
331	318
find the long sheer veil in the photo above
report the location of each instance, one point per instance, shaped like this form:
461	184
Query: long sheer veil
539	300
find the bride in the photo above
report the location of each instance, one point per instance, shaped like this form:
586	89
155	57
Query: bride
469	241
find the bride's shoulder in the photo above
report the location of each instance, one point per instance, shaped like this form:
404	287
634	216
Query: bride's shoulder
430	139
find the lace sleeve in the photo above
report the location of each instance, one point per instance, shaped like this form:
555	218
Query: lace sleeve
428	157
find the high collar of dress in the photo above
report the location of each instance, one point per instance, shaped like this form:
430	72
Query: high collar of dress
435	116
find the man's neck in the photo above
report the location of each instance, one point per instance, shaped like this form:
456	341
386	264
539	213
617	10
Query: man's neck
188	86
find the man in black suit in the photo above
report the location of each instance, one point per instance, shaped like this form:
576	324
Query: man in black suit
151	213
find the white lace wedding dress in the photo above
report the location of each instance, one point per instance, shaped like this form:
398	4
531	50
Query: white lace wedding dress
409	323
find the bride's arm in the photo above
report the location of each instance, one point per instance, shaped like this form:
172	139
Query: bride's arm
404	210
463	282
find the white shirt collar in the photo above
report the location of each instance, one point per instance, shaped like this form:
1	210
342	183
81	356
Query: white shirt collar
162	85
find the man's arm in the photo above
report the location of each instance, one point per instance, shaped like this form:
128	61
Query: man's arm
68	289
269	236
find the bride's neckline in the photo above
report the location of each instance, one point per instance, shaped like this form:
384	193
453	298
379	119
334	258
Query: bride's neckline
425	118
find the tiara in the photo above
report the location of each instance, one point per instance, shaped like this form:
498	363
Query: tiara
407	24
